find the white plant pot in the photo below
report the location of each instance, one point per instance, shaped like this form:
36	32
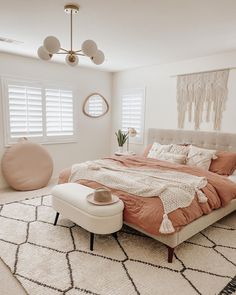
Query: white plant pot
120	149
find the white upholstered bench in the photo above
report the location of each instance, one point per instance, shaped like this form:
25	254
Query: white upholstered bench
70	200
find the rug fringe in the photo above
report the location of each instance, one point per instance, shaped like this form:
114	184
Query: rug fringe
230	288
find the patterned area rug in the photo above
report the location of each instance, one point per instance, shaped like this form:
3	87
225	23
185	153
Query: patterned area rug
52	260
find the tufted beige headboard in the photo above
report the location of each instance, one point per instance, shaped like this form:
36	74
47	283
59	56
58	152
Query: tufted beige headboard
212	140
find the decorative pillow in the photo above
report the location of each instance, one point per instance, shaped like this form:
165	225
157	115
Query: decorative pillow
179	149
225	163
146	151
200	157
27	166
157	149
173	158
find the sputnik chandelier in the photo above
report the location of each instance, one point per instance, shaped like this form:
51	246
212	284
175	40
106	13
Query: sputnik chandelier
51	45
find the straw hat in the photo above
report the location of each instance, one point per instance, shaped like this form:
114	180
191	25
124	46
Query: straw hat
102	196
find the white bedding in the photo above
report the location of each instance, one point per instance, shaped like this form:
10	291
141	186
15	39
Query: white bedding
233	177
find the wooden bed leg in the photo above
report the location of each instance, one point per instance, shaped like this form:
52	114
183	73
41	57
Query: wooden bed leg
170	254
56	218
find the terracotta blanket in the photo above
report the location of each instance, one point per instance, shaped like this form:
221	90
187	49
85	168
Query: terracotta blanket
147	213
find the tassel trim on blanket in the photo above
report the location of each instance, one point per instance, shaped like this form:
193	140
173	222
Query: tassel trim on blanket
201	196
166	226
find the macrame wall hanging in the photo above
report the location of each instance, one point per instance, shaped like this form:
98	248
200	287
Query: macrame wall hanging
202	93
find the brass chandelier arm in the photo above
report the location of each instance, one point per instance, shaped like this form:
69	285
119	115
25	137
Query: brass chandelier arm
72	53
61	53
63	49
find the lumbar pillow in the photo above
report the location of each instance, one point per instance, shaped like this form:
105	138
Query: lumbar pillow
200	157
157	149
173	158
27	166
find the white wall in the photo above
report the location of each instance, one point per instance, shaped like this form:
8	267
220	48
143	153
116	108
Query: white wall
93	134
161	109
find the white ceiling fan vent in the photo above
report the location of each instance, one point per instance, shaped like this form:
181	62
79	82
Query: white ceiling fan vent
11	41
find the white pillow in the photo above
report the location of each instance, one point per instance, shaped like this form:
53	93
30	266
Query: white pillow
173	158
200	157
179	149
157	149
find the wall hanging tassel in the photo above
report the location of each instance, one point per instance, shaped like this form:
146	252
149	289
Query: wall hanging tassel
199	93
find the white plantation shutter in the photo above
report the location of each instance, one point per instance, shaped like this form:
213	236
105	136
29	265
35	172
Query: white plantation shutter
34	111
133	109
59	112
25	111
95	106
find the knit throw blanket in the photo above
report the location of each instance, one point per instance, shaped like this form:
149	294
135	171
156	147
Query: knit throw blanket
175	189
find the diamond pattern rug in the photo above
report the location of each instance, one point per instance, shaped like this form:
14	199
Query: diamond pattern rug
50	260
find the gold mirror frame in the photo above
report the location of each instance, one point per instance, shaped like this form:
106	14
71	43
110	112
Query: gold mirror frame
86	100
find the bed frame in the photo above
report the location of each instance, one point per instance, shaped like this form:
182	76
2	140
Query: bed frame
210	140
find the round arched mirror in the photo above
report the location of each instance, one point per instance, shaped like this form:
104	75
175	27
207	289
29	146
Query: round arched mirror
95	105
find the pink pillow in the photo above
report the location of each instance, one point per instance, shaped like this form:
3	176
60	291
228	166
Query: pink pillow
27	166
225	163
146	151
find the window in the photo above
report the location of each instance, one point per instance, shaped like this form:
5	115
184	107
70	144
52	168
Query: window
41	113
59	112
133	109
25	111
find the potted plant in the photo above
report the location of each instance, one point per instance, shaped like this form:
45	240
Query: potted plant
121	139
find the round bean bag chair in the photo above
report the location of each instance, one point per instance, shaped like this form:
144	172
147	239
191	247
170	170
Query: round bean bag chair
27	166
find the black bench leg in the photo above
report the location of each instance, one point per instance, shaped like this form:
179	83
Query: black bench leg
91	241
170	254
56	218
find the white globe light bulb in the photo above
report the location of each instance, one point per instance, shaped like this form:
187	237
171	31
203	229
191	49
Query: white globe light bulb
72	60
98	58
89	48
51	44
44	54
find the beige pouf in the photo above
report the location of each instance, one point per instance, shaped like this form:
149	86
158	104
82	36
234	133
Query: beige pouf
27	166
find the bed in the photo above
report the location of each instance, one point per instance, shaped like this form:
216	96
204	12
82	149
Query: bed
210	140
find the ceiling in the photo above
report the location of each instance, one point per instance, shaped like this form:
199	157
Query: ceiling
132	33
